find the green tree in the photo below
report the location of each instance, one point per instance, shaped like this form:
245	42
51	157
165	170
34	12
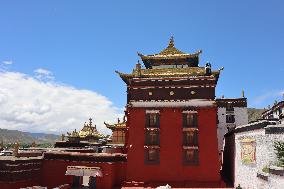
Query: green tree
279	148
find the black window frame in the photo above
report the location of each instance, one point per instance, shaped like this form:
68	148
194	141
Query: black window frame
230	118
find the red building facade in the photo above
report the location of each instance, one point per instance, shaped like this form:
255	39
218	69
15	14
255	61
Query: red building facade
172	120
170	134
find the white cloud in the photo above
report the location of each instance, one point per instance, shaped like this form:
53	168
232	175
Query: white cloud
33	105
42	71
7	62
268	98
43	74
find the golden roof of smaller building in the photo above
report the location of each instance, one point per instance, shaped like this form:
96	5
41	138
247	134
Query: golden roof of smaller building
118	125
88	130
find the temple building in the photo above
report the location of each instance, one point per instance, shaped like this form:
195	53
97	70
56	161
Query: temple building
118	131
172	133
274	112
172	120
87	136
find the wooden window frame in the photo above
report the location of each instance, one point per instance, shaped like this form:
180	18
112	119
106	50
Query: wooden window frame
147	154
148	120
195	160
230	120
194	138
186	120
148	137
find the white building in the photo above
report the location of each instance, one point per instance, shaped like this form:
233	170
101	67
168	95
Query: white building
231	113
275	111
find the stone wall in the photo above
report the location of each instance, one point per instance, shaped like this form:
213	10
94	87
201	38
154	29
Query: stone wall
246	174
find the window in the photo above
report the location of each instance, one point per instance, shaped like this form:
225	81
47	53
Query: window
190	156
190	138
152	156
152	120
230	118
190	120
229	107
152	137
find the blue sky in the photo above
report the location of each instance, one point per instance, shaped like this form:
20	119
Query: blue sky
82	43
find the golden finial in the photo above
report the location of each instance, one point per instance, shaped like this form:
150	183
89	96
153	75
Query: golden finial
172	42
243	93
138	68
118	120
90	123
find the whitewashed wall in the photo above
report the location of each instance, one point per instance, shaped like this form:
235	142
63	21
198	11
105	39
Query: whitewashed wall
241	118
241	115
245	174
222	127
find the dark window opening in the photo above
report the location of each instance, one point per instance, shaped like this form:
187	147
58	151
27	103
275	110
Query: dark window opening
229	107
190	120
190	156
152	156
190	138
152	120
152	137
230	118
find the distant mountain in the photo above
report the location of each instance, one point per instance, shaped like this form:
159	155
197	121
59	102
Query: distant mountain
12	136
254	114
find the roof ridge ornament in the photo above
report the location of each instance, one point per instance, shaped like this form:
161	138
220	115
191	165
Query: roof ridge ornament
171	42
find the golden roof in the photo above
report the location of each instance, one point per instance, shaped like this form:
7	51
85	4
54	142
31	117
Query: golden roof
170	52
168	72
118	125
88	130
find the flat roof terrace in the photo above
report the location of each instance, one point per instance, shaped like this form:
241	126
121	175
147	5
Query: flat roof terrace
77	156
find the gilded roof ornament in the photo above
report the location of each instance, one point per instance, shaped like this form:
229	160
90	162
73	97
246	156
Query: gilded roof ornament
86	131
170	56
172	42
119	125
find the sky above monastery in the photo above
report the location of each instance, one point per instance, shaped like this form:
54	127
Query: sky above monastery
58	58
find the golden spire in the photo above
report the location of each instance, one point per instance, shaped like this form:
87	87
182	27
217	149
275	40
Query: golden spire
243	93
90	122
172	42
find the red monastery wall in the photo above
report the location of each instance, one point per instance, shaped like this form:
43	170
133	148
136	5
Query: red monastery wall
171	168
53	173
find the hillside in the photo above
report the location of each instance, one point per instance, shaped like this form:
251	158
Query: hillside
12	136
254	114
